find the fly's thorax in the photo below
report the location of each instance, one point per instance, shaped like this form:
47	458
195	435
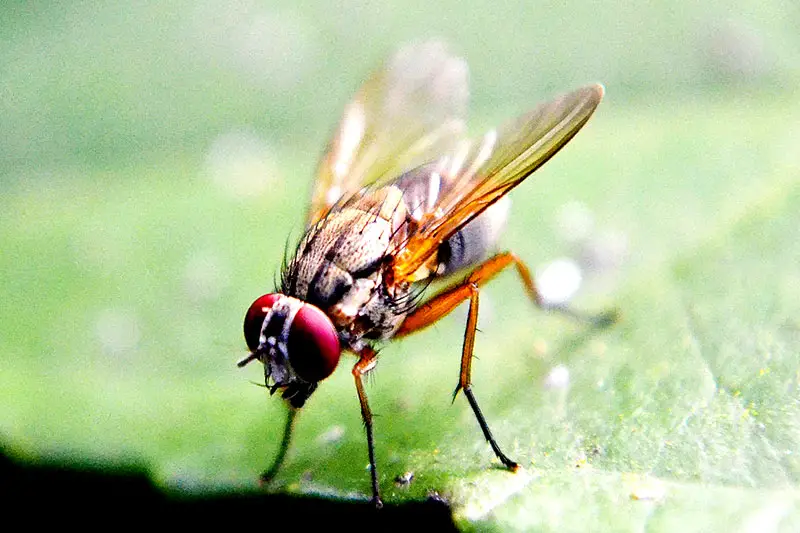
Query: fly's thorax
351	246
339	263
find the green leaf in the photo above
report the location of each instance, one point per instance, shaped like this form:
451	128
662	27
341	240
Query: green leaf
126	272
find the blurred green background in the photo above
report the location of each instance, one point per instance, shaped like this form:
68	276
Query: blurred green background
154	158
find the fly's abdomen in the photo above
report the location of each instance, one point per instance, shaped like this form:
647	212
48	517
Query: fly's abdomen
472	243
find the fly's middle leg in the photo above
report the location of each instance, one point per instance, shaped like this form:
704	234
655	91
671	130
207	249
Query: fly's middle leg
465	378
448	300
443	303
366	362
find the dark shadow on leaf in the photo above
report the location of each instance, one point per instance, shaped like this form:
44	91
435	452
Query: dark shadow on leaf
91	494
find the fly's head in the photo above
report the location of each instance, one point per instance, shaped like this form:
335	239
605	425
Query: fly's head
296	342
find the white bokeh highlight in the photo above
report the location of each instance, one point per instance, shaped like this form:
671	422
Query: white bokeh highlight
241	164
558	281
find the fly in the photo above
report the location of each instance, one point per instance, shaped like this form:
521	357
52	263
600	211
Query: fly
401	198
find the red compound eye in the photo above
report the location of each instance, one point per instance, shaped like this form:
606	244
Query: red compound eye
313	344
254	319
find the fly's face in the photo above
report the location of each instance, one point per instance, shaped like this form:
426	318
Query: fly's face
295	341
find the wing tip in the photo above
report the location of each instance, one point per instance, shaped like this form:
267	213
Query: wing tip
591	94
598	90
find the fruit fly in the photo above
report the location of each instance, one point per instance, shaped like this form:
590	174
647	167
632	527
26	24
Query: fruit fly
401	198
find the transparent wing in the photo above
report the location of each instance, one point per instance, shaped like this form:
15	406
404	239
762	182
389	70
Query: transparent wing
409	112
475	175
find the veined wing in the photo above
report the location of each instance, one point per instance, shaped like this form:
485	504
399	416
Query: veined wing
474	176
409	112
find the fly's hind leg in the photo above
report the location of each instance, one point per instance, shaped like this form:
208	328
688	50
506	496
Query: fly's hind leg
443	303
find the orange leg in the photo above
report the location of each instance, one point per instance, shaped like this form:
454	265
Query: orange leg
448	300
367	358
443	303
465	379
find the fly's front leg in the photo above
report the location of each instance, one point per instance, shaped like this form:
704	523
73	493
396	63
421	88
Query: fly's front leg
269	474
366	362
